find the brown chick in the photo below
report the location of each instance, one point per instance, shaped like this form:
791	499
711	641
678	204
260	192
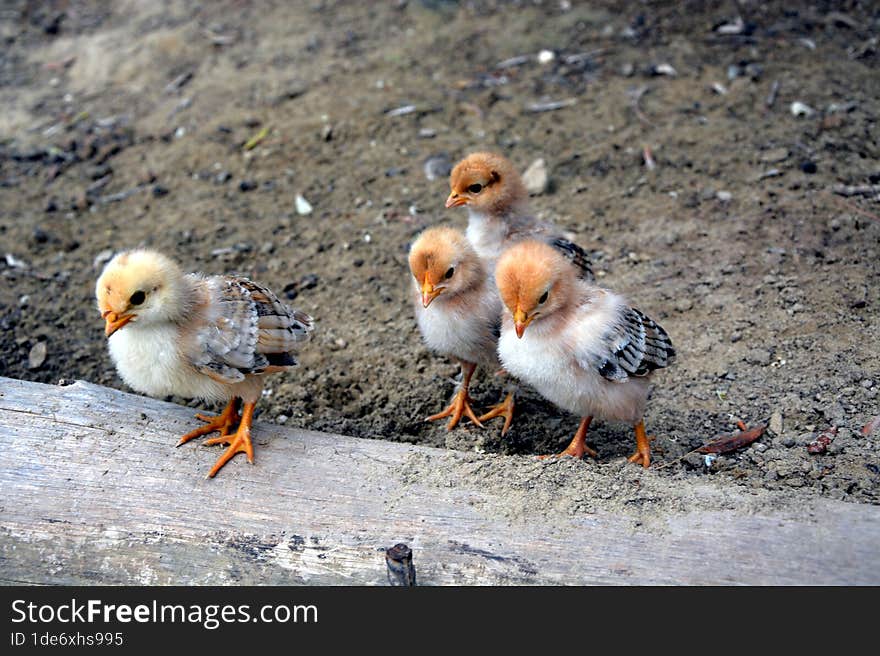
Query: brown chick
492	190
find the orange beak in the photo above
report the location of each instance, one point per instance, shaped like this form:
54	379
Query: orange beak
429	292
521	322
455	200
115	321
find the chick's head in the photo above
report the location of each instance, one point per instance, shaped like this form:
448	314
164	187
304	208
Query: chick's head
139	286
534	280
442	261
486	183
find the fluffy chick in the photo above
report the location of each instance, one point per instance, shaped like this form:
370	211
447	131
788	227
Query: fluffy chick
580	346
492	190
192	335
458	313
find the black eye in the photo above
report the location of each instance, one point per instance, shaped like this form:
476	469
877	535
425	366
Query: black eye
449	273
543	298
475	188
137	298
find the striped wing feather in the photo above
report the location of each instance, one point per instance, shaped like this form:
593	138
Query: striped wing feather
637	345
251	330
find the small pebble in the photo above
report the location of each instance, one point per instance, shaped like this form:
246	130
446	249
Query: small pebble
809	166
684	304
536	178
308	281
724	196
223	177
427	133
776	422
774	155
437	166
664	69
800	109
37	355
546	56
759	356
247	185
303	207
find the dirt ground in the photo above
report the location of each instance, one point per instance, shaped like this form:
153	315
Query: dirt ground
754	238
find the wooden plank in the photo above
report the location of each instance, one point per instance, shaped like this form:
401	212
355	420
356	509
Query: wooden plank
95	492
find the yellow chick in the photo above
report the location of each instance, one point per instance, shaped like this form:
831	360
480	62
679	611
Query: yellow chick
192	335
458	313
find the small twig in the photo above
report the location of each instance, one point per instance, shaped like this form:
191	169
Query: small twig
255	140
551	105
854	208
218	39
774	91
401	571
856	190
178	83
650	164
636	97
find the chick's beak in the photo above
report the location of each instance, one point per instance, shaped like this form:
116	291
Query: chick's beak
429	292
521	321
115	321
455	200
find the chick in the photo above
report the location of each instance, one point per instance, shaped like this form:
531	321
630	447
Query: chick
580	346
458	312
491	189
197	336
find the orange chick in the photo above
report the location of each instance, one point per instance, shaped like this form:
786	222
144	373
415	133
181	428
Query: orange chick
580	346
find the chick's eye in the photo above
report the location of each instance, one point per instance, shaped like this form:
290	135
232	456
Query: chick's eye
543	298
449	273
137	298
475	188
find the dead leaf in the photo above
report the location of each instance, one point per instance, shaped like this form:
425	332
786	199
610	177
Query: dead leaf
728	443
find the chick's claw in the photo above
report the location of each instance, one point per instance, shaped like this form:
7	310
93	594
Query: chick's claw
459	407
222	423
577	448
239	442
503	409
642	456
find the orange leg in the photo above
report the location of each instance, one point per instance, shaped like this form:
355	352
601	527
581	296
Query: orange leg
222	422
460	404
643	447
240	442
503	409
578	447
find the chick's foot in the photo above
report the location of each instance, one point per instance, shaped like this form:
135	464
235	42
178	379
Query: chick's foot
222	423
460	406
239	442
503	409
578	447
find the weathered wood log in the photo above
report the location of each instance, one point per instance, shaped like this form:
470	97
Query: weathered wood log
94	492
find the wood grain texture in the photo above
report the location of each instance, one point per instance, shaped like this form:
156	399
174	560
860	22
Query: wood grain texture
94	492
